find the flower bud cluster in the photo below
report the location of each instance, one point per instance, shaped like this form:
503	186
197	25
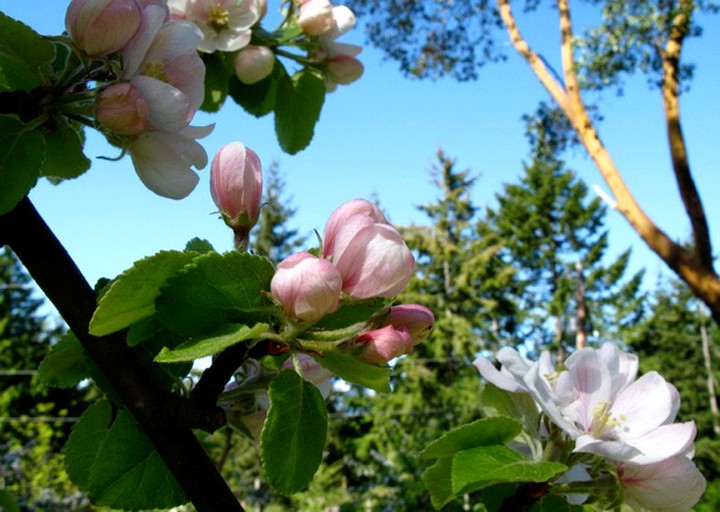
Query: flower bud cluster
362	257
148	106
621	422
321	19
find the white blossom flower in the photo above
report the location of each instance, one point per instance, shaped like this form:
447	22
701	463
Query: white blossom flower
226	24
164	161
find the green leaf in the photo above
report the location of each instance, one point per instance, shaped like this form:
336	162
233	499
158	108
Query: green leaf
22	52
199	245
438	482
483	432
85	440
131	297
350	314
257	99
65	365
129	474
217	289
65	158
297	109
483	466
22	152
110	458
216	82
498	402
213	344
7	502
353	370
294	435
552	503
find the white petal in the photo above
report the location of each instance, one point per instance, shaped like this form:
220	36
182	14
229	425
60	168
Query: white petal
673	485
644	405
498	378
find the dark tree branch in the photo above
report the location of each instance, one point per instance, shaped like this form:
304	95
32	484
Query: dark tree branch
676	140
56	273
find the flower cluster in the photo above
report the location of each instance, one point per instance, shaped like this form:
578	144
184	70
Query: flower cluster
627	423
147	106
327	22
362	257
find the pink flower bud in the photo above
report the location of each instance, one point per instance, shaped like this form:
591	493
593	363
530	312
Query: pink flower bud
306	287
101	27
343	69
253	63
122	109
316	17
384	344
340	216
236	185
417	319
375	262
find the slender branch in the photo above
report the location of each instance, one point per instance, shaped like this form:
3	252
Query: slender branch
702	279
676	141
56	273
536	63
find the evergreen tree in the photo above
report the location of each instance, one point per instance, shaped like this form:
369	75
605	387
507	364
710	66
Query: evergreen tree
272	237
555	239
680	341
35	421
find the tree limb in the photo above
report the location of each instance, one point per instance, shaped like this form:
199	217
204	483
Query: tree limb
676	140
56	273
702	279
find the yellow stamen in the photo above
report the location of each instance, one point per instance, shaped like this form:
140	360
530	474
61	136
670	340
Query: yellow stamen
218	17
155	69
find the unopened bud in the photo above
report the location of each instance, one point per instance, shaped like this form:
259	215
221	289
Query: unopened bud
236	185
306	286
316	17
101	27
417	319
254	63
122	109
382	345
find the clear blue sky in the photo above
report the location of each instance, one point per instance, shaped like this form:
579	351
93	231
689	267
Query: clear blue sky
378	137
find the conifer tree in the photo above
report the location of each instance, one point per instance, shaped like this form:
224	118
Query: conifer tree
34	419
555	238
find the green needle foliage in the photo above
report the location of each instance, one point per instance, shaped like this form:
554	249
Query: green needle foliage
35	420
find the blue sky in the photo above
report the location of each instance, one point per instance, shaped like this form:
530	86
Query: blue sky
378	137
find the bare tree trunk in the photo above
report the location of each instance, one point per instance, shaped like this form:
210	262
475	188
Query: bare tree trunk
711	384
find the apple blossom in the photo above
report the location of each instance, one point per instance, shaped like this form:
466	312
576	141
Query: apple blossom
101	27
383	344
122	109
306	286
671	485
236	185
254	63
225	24
163	160
166	51
599	404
